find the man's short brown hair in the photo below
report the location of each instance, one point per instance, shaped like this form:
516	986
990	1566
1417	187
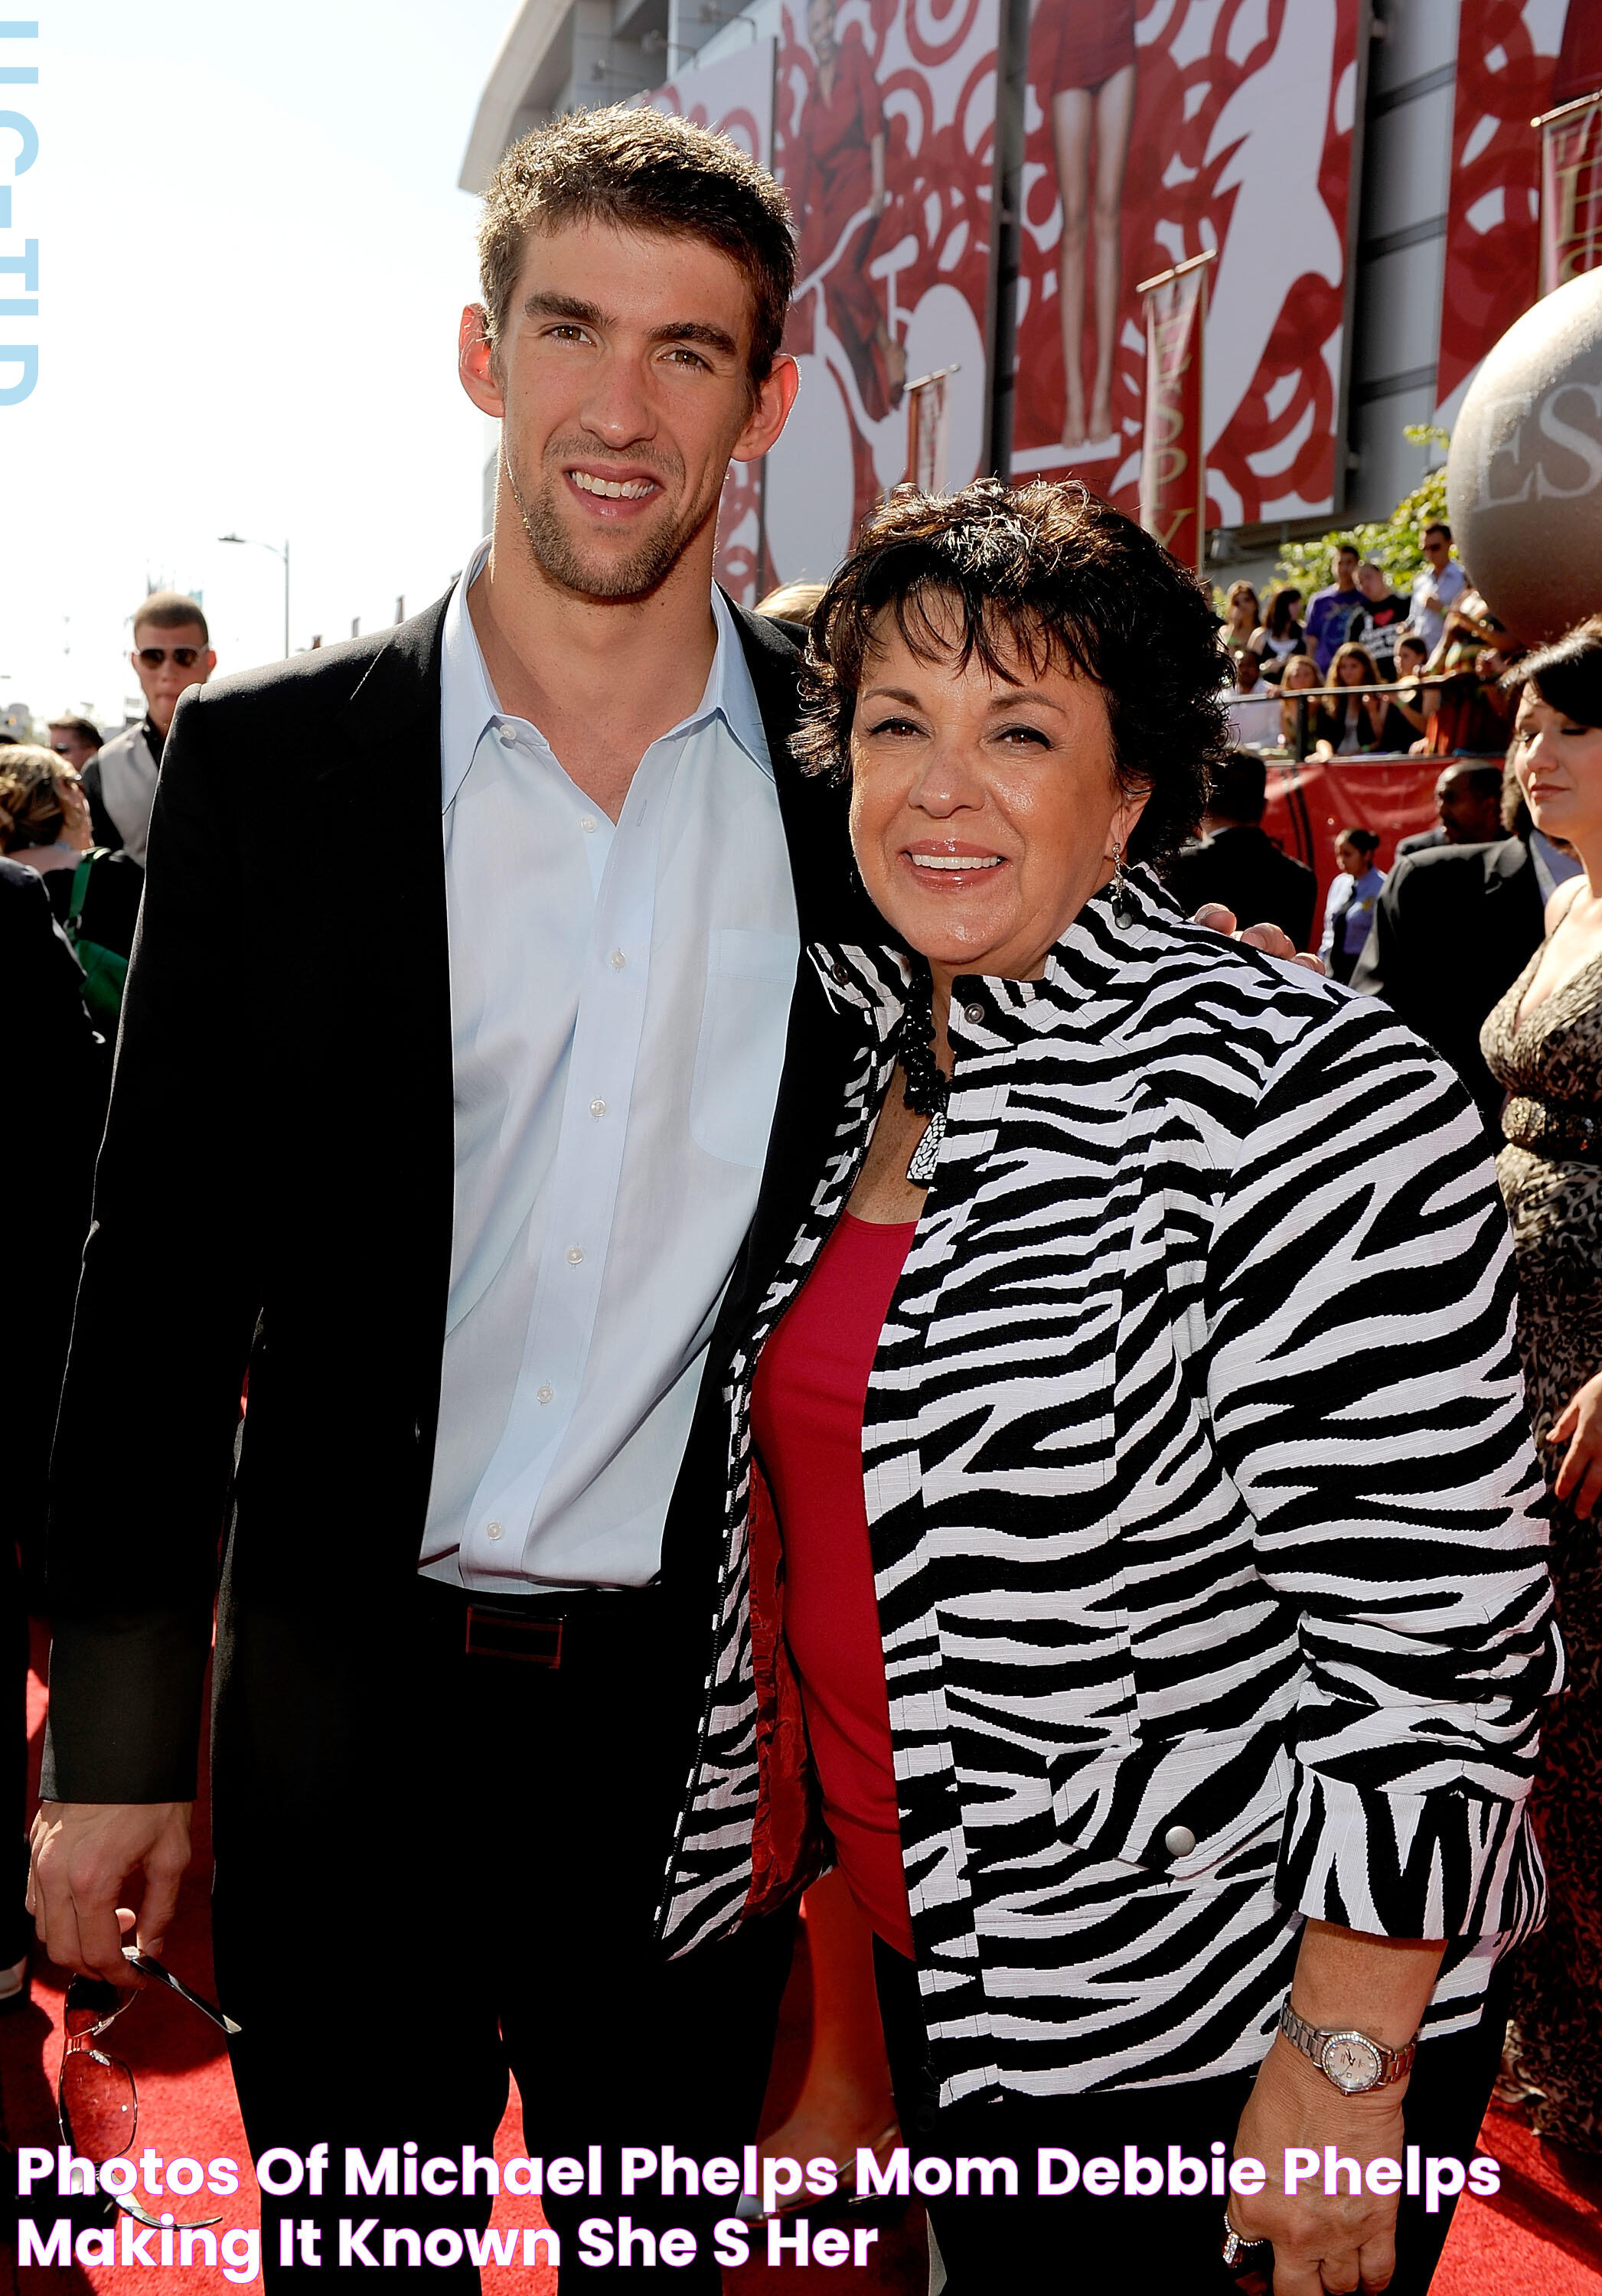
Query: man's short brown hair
81	726
640	171
170	609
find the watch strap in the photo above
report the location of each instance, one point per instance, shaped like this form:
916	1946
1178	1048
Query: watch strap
1395	2064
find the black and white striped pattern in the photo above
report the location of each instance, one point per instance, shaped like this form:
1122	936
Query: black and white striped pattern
1202	1507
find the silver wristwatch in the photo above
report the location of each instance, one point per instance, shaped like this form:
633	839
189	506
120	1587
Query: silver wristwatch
1351	2060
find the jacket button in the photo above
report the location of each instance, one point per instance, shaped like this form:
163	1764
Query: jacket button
1178	1842
838	973
975	1012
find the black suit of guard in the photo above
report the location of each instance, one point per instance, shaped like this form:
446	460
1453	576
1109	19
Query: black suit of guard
1452	931
412	1848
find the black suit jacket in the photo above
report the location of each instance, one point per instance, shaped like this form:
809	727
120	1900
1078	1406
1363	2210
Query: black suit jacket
1452	931
1245	870
276	1188
56	1102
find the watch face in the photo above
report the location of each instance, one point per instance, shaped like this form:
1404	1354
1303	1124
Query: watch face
1351	2062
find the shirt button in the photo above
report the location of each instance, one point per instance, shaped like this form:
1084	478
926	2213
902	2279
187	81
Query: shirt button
506	735
617	960
1178	1842
597	1107
574	1254
975	1012
588	824
495	1531
544	1394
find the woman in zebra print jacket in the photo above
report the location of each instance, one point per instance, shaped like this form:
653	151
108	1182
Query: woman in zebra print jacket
1133	1544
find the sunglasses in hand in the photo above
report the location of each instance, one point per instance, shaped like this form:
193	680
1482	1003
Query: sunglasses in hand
97	2103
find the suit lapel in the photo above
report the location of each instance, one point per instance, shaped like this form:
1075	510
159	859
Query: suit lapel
823	1049
381	787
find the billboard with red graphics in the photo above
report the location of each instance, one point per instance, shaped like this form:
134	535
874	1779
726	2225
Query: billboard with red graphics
1515	61
883	129
734	96
1154	132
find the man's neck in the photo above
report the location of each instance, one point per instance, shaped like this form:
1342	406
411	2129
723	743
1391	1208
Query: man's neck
601	678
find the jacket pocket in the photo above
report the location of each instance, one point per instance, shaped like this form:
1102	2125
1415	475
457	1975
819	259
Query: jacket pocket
749	980
1199	1807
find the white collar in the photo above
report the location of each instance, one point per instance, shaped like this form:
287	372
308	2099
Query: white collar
468	702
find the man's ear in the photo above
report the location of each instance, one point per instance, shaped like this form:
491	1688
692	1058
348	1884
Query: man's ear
769	412
475	362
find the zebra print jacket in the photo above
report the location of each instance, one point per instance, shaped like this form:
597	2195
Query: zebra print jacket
1205	1524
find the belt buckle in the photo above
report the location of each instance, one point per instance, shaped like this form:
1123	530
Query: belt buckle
507	1634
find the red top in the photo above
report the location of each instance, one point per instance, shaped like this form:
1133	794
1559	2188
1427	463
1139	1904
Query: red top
812	1385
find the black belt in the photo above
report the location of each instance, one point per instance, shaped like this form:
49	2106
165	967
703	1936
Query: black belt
1548	1129
533	1629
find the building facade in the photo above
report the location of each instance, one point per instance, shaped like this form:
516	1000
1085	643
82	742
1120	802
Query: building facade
1364	171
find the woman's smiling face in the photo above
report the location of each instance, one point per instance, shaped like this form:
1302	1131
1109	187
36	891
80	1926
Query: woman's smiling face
983	814
1558	763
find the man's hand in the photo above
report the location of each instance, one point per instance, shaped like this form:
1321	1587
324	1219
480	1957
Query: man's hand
1342	2240
1266	938
83	1852
1579	1425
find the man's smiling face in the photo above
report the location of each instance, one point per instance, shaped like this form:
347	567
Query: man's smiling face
624	369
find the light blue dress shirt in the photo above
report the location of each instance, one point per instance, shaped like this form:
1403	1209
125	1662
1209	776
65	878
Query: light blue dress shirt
620	996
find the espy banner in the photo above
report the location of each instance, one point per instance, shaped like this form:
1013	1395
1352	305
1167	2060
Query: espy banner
1173	450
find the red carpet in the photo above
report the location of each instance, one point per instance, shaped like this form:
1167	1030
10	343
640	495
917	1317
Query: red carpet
1541	2236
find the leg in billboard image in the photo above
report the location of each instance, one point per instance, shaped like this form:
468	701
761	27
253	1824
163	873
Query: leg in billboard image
840	198
1057	1538
1083	70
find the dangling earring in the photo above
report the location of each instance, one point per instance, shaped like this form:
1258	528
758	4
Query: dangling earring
1123	907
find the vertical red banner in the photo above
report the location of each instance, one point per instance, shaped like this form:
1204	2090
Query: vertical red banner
1173	448
1571	192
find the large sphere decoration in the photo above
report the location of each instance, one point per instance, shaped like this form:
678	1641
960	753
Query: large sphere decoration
1523	481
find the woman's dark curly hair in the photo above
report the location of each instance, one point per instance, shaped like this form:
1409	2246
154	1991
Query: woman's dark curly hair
1568	676
1034	576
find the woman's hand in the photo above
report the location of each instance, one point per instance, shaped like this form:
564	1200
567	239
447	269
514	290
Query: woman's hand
1269	939
76	827
1579	1425
1342	2240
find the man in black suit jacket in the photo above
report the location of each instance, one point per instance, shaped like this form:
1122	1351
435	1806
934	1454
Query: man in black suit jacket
1452	931
55	1100
1237	866
441	1818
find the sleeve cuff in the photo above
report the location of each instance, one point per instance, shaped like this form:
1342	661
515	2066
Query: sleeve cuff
125	1708
1446	1862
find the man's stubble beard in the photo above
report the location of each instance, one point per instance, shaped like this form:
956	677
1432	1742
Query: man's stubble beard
561	561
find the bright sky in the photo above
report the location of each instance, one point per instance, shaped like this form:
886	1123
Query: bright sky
253	254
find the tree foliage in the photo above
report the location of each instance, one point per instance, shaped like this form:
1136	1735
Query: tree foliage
1393	543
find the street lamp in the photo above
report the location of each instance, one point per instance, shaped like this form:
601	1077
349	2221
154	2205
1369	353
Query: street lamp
283	554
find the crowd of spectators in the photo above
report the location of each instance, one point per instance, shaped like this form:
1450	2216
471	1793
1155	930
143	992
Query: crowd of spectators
1416	674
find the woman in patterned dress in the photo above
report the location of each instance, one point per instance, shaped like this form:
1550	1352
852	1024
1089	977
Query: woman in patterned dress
1544	1043
1171	1723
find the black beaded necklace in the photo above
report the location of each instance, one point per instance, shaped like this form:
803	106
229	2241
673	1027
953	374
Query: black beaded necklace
928	1088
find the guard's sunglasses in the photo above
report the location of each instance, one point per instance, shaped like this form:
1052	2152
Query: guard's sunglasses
97	2101
185	657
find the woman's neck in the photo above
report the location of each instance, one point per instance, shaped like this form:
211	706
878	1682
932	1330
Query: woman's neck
1588	852
59	856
